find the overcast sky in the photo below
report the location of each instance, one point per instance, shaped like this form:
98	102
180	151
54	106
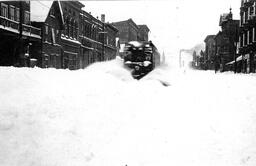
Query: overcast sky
174	24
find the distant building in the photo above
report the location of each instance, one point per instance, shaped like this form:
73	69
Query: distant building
16	33
143	32
128	30
111	48
226	40
247	37
209	51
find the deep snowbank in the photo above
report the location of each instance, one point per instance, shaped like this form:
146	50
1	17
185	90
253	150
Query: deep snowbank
101	116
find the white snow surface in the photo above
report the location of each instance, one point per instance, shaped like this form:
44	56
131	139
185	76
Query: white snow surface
101	116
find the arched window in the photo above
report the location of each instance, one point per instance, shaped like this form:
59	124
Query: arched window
94	32
67	26
76	30
72	29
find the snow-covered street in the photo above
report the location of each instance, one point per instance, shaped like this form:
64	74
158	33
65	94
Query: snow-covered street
101	116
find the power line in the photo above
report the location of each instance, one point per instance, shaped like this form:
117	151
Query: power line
42	4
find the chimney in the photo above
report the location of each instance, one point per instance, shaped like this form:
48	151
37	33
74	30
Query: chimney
103	18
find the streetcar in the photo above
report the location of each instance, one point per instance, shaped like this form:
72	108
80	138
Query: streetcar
141	57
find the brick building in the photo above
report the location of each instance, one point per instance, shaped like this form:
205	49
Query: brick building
110	41
143	33
247	36
70	35
91	44
47	15
60	34
128	30
98	39
16	33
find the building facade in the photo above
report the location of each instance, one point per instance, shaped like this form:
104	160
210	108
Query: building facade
247	36
58	34
209	52
16	33
226	41
70	35
110	37
143	32
128	30
91	45
47	15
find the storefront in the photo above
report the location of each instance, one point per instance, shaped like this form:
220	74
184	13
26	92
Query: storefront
70	60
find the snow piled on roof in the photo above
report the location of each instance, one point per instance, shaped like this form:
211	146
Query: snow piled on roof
40	10
101	116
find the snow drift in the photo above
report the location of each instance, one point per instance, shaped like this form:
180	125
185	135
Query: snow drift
101	116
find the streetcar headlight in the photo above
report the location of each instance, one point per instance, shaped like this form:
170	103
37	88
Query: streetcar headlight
146	63
127	62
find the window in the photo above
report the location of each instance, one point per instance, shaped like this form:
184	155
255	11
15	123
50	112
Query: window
17	17
240	41
4	10
46	29
251	10
250	36
254	8
253	34
52	12
245	38
57	35
12	10
75	29
244	44
72	29
26	17
53	36
69	30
